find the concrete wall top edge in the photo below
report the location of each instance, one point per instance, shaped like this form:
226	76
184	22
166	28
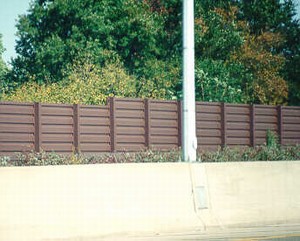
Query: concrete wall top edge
159	164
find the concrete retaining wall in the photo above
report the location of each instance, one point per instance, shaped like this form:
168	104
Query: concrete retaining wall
38	203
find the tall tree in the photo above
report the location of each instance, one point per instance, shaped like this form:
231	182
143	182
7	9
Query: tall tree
245	49
54	33
278	17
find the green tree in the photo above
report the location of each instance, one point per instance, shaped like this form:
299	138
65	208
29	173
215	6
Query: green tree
54	33
3	68
278	17
245	50
217	36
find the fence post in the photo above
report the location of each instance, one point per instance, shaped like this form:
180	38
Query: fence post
179	113
252	126
279	124
223	124
147	104
37	127
112	112
76	127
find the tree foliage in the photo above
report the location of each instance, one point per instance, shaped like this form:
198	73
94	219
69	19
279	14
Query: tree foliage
246	51
85	83
54	33
278	17
3	68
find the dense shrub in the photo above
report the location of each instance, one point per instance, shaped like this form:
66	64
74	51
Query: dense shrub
261	153
85	84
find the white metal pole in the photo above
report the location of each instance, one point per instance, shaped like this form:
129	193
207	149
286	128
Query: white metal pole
189	139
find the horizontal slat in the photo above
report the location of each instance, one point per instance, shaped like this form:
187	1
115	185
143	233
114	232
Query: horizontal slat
20	119
130	130
59	120
164	106
202	108
69	147
237	141
208	117
263	126
291	127
130	139
93	138
16	109
291	141
208	133
236	109
163	140
266	111
129	105
291	120
129	113
291	134
93	106
164	131
238	118
291	112
266	119
96	112
164	115
57	111
94	121
57	137
291	107
261	134
164	123
94	129
17	137
208	125
232	105
57	129
95	147
16	147
209	140
207	103
238	133
238	126
130	122
16	128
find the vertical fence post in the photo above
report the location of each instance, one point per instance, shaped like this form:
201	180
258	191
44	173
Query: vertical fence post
112	113
37	127
147	104
252	126
179	124
76	127
279	124
223	124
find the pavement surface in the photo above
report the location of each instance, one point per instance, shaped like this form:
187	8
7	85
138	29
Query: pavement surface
268	233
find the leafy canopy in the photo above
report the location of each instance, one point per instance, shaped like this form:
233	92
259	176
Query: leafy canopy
246	51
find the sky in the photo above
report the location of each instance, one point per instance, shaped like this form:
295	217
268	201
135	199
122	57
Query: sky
9	12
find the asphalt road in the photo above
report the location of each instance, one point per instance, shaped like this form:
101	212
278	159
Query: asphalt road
269	233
